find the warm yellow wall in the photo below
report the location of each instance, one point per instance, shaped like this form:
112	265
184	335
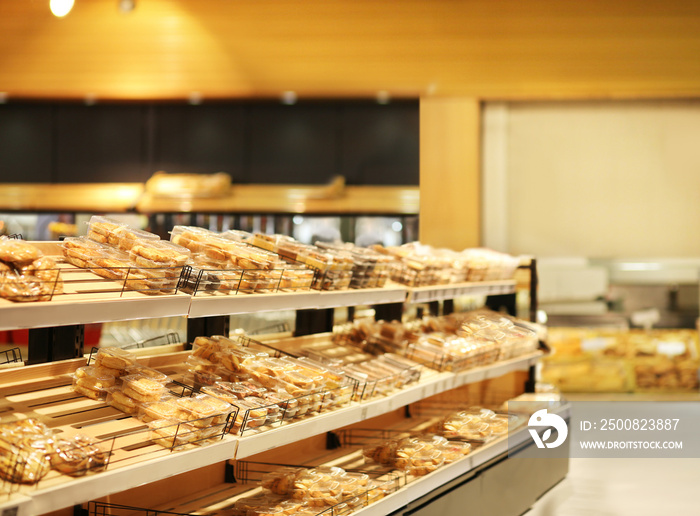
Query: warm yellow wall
481	48
450	172
613	179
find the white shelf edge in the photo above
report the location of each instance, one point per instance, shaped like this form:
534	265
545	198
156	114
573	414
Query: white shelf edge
206	306
369	296
442	292
82	490
86	311
16	504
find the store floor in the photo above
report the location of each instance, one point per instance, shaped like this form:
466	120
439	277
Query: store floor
625	487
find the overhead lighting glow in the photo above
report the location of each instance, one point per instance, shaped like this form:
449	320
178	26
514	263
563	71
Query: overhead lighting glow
640	266
297	219
126	6
396	226
195	98
60	8
289	98
383	97
3	97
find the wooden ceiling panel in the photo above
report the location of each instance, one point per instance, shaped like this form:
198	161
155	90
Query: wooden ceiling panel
245	48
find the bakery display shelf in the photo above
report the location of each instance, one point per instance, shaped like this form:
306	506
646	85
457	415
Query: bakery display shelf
450	291
44	392
431	383
425	485
86	308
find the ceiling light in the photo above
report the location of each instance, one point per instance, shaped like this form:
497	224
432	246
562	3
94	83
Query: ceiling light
3	97
383	97
289	98
195	98
126	6
60	7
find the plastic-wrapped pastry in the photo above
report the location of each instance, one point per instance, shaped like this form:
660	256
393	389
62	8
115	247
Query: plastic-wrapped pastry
18	252
120	401
165	408
142	388
148	372
25	446
129	237
114	358
46	271
171	433
16	287
78	455
93	377
105	230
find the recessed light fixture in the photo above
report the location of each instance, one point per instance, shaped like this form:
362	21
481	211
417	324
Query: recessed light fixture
195	98
126	6
383	97
289	98
60	8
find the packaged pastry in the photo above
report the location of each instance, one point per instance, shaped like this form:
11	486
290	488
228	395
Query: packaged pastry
171	433
196	411
114	358
111	264
25	446
164	253
94	377
191	237
281	481
89	386
120	401
78	455
142	388
149	372
80	251
18	252
45	269
165	408
128	237
237	235
19	288
105	230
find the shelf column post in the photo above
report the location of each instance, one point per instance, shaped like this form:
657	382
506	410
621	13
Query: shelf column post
450	186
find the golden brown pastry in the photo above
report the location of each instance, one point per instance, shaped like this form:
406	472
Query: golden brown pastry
18	252
78	455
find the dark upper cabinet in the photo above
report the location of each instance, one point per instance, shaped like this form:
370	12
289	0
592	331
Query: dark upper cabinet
292	144
254	142
200	139
379	143
101	143
25	143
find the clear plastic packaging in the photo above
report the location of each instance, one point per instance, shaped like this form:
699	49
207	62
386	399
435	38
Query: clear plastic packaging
105	230
142	388
120	401
165	408
128	237
149	372
114	358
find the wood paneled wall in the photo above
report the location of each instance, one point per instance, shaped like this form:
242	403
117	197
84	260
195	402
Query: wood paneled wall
476	48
